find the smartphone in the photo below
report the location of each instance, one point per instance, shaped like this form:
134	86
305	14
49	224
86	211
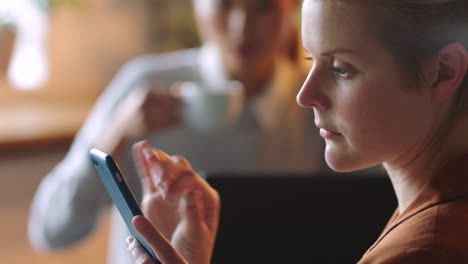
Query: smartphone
120	193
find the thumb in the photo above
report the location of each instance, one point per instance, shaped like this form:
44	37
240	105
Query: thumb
163	249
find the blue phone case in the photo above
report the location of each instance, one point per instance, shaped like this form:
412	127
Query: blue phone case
119	191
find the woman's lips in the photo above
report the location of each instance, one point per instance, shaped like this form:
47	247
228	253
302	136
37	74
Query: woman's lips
328	134
242	50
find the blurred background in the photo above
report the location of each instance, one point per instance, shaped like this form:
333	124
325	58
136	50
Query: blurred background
56	57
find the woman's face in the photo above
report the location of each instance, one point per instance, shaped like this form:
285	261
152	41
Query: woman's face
367	111
248	32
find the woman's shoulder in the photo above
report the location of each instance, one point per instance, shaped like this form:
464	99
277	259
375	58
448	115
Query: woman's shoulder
438	234
426	255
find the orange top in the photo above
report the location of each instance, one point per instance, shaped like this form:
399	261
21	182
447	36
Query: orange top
434	227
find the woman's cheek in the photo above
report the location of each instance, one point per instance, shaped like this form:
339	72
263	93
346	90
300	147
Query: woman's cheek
360	130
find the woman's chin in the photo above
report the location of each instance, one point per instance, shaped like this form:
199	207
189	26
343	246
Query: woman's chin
338	167
341	162
348	163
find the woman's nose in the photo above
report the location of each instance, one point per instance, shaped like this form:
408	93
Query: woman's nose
312	94
238	21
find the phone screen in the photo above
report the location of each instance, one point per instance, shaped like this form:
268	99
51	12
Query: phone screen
119	191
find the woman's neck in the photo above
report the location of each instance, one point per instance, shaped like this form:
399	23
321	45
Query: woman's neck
407	180
409	176
254	87
256	82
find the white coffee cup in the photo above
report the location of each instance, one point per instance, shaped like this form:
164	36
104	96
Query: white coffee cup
209	109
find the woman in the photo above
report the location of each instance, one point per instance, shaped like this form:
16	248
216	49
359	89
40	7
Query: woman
254	42
389	85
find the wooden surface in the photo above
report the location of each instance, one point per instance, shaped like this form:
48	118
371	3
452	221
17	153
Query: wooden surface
24	123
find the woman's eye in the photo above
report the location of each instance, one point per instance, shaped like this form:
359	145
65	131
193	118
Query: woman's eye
343	72
224	4
309	58
264	5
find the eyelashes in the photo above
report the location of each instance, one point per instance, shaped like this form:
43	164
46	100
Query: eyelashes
341	72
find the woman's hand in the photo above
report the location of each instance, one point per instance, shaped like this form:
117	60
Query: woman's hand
146	109
180	203
166	253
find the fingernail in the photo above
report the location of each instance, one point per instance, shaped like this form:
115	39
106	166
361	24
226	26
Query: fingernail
154	175
130	240
148	152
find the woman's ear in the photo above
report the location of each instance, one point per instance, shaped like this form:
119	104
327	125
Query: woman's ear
451	69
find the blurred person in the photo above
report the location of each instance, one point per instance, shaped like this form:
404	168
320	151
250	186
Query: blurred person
254	42
388	86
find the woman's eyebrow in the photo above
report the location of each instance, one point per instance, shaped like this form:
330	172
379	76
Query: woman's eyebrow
337	50
333	51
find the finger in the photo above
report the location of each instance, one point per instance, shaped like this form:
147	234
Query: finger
160	168
161	246
138	254
143	167
160	156
161	100
212	206
161	106
173	185
148	187
208	201
172	174
182	161
157	123
160	111
185	180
